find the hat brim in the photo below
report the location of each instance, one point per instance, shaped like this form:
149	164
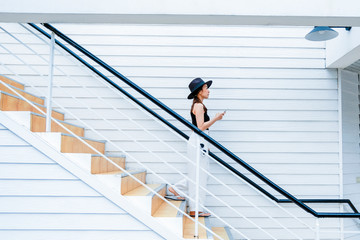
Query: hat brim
192	94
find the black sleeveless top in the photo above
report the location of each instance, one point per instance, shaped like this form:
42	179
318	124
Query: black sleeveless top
193	118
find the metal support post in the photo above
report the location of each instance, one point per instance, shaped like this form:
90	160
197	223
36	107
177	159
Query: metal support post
196	232
51	74
317	232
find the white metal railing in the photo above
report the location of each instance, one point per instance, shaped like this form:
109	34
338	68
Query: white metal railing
148	151
175	151
50	87
122	150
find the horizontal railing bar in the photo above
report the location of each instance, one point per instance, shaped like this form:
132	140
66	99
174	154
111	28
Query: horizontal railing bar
346	201
338	215
317	200
290	197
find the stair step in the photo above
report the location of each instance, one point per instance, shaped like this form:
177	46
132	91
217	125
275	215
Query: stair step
12	82
168	211
28	96
70	144
9	102
157	201
38	124
100	165
146	199
121	181
170	217
128	184
223	232
66	143
84	160
142	191
189	228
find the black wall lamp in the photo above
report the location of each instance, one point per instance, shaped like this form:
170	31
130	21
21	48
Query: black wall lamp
323	33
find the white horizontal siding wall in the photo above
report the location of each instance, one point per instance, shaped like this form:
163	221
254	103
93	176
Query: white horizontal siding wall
351	157
281	102
41	200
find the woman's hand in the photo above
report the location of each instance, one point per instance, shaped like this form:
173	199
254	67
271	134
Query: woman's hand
219	116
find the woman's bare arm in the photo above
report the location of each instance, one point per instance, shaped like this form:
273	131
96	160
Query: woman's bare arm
199	113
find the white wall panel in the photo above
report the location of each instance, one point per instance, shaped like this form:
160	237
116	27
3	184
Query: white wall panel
282	108
33	171
77	234
71	221
350	148
7	138
20	154
52	204
45	188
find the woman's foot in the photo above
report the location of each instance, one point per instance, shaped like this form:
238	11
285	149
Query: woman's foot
178	197
201	214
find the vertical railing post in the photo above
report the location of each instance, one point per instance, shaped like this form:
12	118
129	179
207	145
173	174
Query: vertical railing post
196	232
317	232
51	73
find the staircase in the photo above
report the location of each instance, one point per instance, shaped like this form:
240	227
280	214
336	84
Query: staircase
88	159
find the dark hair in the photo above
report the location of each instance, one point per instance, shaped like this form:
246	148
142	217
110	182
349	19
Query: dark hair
197	100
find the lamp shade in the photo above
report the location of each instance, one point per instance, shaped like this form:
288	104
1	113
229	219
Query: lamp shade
321	34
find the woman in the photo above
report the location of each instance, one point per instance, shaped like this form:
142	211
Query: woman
199	91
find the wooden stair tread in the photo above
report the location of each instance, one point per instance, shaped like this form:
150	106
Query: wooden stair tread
10	102
189	228
221	231
12	82
38	124
110	173
85	138
70	144
122	173
101	165
29	96
142	191
166	210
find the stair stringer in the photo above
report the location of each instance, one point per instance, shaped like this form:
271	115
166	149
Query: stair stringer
61	159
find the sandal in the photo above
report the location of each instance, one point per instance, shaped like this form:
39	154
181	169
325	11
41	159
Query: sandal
201	214
175	198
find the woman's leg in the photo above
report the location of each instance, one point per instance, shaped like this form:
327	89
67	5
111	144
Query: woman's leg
192	153
179	188
204	165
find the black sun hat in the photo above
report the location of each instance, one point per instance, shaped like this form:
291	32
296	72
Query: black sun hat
195	85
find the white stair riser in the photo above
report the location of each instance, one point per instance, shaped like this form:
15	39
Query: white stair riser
142	202
53	138
71	144
21	117
173	224
112	181
83	160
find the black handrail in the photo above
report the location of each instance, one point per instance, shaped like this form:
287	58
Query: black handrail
290	198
